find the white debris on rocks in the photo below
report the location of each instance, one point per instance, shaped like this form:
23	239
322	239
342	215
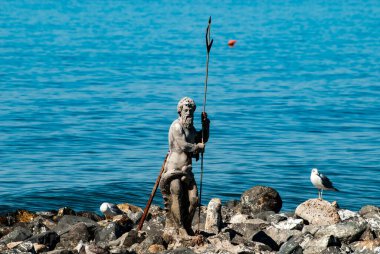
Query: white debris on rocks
345	214
290	224
239	218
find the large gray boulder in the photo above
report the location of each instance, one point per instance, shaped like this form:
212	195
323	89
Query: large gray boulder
263	238
317	245
110	232
260	199
318	212
67	221
18	234
292	245
346	231
280	236
78	232
48	238
247	230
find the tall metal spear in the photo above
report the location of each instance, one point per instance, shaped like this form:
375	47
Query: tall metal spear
208	47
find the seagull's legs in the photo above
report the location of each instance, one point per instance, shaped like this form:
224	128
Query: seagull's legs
322	194
319	194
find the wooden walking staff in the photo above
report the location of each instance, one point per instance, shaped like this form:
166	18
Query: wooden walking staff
208	47
152	195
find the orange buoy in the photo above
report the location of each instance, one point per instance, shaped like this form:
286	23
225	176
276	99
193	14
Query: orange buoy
231	43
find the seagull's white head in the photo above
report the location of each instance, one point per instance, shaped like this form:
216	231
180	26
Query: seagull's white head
314	171
104	207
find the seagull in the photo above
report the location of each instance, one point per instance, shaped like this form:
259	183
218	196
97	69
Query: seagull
110	210
321	182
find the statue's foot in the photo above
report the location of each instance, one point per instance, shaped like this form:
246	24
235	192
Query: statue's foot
190	231
191	241
176	235
183	233
198	240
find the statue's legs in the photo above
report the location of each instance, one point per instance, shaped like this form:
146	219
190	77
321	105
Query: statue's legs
181	203
192	197
176	204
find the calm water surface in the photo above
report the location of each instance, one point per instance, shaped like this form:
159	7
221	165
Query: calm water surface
89	90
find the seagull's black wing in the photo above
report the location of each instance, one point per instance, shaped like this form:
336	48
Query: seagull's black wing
326	182
115	209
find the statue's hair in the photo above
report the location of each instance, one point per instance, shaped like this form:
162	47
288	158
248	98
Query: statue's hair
186	101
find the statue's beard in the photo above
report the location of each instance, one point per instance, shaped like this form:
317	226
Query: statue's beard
187	122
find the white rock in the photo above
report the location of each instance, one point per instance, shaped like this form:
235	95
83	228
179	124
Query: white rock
11	245
239	218
374	223
213	222
345	214
290	223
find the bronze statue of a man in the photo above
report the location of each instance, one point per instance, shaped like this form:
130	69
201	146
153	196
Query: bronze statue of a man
177	183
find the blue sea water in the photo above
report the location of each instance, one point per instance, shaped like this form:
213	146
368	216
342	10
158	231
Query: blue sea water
88	90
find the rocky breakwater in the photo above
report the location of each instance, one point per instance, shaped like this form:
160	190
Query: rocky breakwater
253	224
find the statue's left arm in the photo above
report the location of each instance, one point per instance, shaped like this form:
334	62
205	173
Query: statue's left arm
205	129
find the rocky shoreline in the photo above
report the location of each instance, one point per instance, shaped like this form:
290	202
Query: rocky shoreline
254	224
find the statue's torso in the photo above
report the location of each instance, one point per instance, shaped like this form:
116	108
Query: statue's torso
178	157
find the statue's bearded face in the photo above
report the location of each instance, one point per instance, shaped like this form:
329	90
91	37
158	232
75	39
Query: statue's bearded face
187	115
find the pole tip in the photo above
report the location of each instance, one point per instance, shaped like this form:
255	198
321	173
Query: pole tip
209	20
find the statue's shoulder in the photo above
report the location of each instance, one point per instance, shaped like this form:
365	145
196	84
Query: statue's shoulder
176	126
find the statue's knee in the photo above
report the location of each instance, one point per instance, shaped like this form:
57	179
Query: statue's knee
175	187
